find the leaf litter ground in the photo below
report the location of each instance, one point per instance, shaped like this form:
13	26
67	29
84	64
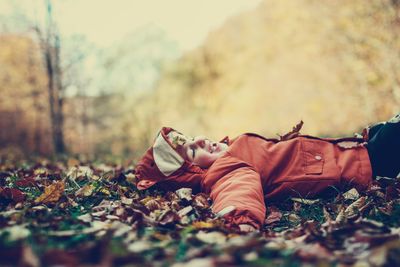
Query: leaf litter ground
84	214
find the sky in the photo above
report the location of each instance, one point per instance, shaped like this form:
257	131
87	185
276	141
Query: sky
104	22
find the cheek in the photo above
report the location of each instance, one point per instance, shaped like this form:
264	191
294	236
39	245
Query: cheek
205	159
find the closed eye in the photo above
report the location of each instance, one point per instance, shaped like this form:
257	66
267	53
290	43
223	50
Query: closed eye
193	153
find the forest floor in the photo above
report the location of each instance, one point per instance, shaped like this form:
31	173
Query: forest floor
75	213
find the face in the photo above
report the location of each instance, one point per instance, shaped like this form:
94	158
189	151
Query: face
202	151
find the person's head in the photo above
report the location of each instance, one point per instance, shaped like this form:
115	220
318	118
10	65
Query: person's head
201	151
177	159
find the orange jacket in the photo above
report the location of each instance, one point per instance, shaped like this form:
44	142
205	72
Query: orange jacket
255	168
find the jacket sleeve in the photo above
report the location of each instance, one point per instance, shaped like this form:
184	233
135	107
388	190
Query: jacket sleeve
239	194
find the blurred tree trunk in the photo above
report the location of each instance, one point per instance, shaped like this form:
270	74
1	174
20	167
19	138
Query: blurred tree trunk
35	94
50	44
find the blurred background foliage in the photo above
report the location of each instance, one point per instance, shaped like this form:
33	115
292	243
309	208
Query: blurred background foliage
334	64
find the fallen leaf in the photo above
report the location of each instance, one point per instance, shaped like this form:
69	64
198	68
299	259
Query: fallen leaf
311	252
197	262
153	204
184	194
52	193
305	201
126	201
64	233
251	256
327	216
139	246
41	172
185	211
201	201
105	191
79	172
12	195
168	218
294	218
85	217
26	182
293	133
203	225
354	207
351	194
85	191
341	217
211	237
273	216
131	178
296	206
96	226
16	232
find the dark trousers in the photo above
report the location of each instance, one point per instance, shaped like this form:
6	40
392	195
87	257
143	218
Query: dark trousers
384	148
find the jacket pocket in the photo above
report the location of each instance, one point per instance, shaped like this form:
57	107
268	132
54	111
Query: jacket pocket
313	158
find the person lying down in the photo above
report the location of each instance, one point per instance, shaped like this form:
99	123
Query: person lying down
244	173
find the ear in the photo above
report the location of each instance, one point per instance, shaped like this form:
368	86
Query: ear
144	184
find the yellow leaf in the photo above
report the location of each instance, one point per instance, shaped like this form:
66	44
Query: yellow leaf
52	193
105	191
203	225
85	191
40	171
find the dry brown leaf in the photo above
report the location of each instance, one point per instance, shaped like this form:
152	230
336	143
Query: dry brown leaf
293	133
131	178
80	172
341	217
211	237
354	207
52	193
203	225
327	216
351	194
168	217
201	201
311	252
305	200
273	216
185	211
12	194
85	191
294	218
126	201
153	204
387	209
184	193
296	206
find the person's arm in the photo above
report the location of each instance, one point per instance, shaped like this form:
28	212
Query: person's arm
239	198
